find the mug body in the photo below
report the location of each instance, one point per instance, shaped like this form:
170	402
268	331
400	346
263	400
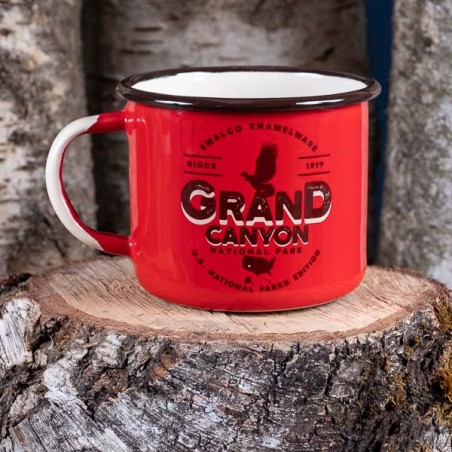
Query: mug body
247	204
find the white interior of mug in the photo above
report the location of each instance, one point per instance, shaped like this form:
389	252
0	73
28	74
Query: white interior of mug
250	84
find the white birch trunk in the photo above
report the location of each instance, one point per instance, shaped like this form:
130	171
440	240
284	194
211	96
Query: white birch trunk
41	90
416	228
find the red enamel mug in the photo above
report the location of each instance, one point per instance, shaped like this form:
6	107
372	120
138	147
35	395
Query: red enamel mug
248	185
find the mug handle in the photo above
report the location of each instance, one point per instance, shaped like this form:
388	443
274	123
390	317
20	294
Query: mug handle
104	241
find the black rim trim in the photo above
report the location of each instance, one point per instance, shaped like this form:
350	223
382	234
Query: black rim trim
126	91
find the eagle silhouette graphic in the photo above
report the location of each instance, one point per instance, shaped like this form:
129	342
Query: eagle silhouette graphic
265	170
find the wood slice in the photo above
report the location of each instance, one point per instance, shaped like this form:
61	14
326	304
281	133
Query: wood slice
90	361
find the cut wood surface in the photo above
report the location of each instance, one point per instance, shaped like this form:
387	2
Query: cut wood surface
90	361
107	291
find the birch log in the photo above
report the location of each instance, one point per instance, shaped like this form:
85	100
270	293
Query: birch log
131	36
416	226
41	90
90	362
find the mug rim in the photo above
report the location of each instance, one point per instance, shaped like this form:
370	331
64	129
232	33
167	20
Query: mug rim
127	91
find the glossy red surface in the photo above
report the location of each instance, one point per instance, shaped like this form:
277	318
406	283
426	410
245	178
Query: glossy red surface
273	260
110	243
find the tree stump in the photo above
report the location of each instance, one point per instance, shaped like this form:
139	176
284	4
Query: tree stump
89	361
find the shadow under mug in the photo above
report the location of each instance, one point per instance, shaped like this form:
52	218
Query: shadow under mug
248	185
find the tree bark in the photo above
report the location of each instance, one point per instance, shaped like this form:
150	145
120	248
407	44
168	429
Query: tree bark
89	361
131	36
416	226
42	89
